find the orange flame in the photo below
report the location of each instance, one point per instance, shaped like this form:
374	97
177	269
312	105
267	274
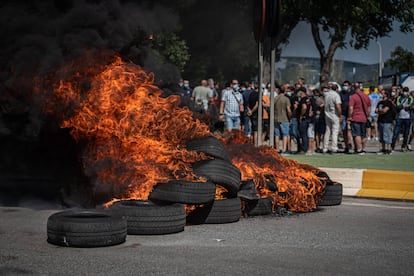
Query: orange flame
135	138
298	187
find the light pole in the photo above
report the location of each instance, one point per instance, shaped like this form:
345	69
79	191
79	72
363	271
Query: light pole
380	60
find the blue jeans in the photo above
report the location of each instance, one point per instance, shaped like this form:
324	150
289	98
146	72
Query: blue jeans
282	129
232	122
303	129
401	123
247	124
385	133
294	131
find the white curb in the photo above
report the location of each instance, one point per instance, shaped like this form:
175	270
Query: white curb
351	179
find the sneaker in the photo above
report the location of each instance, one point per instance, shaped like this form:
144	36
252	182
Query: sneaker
409	147
324	151
361	152
309	153
381	152
388	152
285	153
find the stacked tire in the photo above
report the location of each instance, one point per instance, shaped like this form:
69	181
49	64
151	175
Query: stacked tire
164	212
220	171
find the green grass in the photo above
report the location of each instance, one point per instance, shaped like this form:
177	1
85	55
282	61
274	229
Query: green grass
396	162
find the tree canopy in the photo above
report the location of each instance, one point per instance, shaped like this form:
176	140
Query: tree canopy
354	23
401	59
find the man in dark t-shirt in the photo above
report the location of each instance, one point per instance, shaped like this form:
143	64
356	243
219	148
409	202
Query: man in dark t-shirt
252	112
345	94
386	114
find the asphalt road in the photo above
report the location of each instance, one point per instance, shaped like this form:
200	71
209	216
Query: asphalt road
359	237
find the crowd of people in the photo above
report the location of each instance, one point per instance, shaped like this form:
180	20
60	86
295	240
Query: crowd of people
330	119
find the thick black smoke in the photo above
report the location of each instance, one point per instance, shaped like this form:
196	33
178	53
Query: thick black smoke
37	37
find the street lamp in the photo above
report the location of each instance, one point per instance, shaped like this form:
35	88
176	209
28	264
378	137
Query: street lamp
380	60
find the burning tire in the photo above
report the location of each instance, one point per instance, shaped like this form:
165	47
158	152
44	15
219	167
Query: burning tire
177	191
220	172
85	228
260	207
332	195
325	178
217	212
210	145
148	218
248	190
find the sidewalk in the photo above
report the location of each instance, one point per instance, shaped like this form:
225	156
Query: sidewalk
375	183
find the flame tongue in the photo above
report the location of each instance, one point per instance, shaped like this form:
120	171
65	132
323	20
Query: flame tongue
297	185
135	138
133	135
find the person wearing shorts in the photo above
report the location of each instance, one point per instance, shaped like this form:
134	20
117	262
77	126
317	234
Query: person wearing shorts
231	106
386	114
282	114
359	109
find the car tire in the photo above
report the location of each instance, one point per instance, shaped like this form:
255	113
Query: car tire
178	191
209	145
217	212
85	228
220	172
332	195
147	218
260	207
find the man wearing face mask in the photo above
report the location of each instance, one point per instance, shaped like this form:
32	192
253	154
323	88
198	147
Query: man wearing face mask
294	122
185	89
345	94
404	106
231	106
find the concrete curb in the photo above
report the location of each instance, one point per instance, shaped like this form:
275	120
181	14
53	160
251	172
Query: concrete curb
374	183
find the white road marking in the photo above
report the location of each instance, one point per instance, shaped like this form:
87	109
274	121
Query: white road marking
378	205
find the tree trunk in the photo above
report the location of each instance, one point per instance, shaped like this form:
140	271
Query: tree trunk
326	57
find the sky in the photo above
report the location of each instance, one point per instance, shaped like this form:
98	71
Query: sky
301	44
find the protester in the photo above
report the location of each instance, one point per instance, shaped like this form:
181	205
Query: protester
185	89
282	116
359	109
404	106
386	113
231	106
294	120
246	90
252	112
202	96
320	124
333	117
372	124
306	120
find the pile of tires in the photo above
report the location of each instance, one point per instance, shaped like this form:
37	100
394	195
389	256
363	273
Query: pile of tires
221	171
165	210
